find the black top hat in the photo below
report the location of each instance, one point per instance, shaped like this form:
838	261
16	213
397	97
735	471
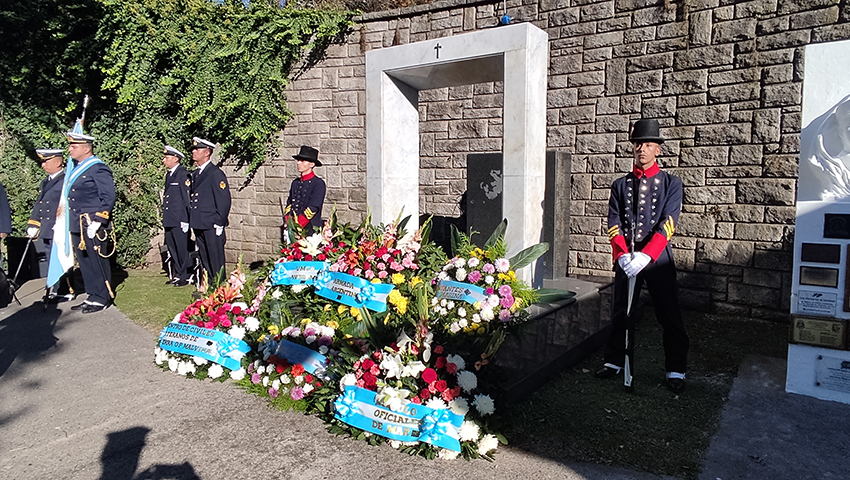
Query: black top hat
310	154
646	131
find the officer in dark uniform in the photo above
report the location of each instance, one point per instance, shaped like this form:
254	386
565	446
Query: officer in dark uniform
91	197
306	193
40	223
209	207
175	214
643	212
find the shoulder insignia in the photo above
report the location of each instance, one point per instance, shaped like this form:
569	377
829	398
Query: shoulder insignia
188	183
222	185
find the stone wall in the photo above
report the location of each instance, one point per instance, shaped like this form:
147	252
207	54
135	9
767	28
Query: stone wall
723	77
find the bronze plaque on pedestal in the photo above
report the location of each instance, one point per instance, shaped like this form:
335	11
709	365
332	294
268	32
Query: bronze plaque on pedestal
821	277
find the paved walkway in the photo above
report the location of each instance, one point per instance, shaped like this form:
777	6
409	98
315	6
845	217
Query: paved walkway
81	399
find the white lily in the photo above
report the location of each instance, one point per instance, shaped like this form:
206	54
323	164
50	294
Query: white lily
310	245
393	366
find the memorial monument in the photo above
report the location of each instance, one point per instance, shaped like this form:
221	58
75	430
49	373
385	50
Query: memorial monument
818	360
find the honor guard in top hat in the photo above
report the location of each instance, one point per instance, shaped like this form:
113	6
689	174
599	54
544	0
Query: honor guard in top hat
209	207
40	223
175	214
90	194
306	193
643	212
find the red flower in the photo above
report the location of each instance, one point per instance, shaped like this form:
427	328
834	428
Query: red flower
456	391
379	355
416	400
440	385
447	395
279	368
441	362
322	257
425	394
371	381
429	375
297	369
308	378
272	359
318	384
438	349
451	367
414	349
236	310
367	364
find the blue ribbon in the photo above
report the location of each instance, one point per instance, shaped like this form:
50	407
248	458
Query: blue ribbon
357	407
311	360
296	273
206	343
460	291
345	405
352	291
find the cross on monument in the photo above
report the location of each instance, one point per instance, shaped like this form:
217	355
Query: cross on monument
437	48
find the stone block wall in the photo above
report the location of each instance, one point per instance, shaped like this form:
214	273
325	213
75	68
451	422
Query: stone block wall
724	78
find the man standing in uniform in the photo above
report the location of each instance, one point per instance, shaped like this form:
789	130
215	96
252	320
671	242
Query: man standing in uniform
307	193
209	208
91	197
643	212
175	215
40	224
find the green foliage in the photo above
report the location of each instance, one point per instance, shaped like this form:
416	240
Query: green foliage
158	72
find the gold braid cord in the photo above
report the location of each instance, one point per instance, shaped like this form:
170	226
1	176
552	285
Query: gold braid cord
82	245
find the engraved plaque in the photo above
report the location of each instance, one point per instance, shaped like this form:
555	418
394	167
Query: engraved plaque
821	332
832	373
820	253
821	277
836	225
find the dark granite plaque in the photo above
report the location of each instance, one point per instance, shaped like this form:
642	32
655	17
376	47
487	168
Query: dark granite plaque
820	253
484	194
821	277
836	225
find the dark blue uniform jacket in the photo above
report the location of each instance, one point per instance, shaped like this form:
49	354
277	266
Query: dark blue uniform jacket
175	199
210	198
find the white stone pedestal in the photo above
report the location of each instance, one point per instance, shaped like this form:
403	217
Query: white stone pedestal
819	372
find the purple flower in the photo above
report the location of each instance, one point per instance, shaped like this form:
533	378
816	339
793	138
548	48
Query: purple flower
251	368
488	268
297	393
507	302
489	291
255	378
273	392
474	276
326	341
309	331
505	315
505	290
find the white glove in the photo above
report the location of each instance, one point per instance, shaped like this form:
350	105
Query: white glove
624	260
92	229
32	232
218	230
637	264
184	226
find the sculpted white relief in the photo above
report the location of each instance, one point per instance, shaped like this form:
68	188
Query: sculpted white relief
825	156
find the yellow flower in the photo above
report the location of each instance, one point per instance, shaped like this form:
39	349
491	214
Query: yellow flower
401	306
517	305
376	280
355	312
341	309
305	321
478	252
512	274
333	324
274	330
327	307
262	337
504	277
415	281
394	297
398	279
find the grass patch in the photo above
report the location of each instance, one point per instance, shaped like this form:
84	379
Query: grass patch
579	417
145	298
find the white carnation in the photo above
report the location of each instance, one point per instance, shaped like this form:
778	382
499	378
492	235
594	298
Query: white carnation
199	361
460	261
446	454
461	312
459	406
310	339
277	294
460	274
443	276
487	314
299	379
462	323
173	363
307	388
436	403
237	374
468	431
489	279
236	332
450	305
487	443
435	301
183	368
252	324
347	380
215	371
285	379
467	380
276	384
476	318
443	302
484	404
298	288
454	327
265	381
473	262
